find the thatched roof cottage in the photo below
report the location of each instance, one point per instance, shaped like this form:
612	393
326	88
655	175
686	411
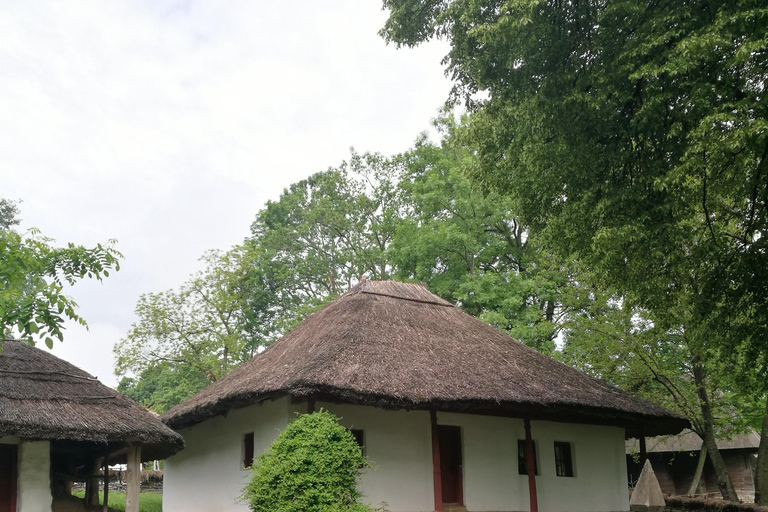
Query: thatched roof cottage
58	424
678	467
451	411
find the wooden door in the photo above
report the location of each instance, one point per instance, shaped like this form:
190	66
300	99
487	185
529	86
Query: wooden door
451	464
8	461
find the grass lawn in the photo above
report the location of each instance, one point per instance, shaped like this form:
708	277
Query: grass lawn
148	501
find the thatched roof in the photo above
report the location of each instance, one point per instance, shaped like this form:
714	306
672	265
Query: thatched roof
396	345
44	397
689	441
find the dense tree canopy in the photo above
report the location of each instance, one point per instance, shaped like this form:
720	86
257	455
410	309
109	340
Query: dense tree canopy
633	137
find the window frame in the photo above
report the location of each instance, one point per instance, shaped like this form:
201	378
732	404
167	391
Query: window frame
247	448
359	435
564	466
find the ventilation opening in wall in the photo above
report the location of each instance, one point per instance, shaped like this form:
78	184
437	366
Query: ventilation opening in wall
359	438
248	450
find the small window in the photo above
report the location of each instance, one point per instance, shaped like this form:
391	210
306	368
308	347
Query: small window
563	459
359	438
522	461
248	450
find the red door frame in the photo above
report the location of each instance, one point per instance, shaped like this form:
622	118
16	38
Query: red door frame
8	477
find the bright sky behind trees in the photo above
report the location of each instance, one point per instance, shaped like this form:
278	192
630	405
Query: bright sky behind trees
168	125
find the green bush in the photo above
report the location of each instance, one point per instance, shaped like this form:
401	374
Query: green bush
313	466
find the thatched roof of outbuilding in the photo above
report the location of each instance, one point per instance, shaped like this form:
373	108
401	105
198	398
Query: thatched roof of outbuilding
44	397
396	345
689	441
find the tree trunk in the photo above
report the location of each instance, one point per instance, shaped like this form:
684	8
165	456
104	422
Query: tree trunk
723	478
761	472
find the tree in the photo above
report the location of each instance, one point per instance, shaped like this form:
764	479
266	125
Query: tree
202	326
326	232
9	212
468	246
633	135
33	275
313	466
161	386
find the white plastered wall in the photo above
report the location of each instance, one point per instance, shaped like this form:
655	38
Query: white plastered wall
207	475
492	481
399	447
34	483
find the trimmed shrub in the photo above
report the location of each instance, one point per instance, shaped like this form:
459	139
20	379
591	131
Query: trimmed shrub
313	466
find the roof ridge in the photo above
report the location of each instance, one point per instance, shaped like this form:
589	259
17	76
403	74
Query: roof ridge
41	372
447	305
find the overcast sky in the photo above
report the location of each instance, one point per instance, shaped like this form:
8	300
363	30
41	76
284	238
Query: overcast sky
168	125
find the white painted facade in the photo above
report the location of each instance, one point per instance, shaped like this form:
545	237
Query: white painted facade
33	484
207	476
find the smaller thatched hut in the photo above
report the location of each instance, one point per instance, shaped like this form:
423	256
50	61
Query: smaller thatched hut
58	424
676	460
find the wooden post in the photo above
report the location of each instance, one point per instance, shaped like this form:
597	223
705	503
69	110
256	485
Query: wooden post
106	481
133	479
643	450
699	469
437	476
92	486
310	405
531	466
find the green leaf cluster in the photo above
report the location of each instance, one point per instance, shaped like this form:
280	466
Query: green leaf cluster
33	275
313	466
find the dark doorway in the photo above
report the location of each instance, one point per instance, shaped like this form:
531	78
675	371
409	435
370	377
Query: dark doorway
451	464
8	460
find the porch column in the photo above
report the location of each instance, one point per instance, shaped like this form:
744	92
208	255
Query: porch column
643	451
530	466
133	479
436	473
106	481
92	485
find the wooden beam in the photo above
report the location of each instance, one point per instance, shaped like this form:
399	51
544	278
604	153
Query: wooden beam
530	461
133	479
699	469
437	477
643	450
106	481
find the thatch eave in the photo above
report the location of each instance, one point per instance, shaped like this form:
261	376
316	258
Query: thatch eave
635	424
397	346
43	397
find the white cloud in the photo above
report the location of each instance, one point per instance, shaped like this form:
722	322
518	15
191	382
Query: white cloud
167	125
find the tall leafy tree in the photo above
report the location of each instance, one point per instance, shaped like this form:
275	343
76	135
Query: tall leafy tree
468	245
202	326
634	137
326	232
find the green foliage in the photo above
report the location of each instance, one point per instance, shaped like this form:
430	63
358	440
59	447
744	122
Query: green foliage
33	275
200	329
633	138
9	212
313	466
468	245
327	231
161	386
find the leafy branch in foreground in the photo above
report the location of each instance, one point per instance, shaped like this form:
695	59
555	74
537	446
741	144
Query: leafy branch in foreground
33	275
